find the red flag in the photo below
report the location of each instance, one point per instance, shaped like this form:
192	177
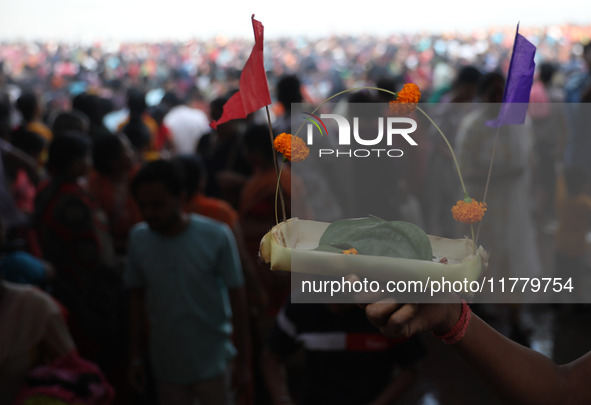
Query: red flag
254	91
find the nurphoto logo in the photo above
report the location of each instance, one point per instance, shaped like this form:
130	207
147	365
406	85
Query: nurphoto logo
352	143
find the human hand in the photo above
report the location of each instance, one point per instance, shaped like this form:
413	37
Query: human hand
405	320
395	319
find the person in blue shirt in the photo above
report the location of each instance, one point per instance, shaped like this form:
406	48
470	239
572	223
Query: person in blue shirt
184	273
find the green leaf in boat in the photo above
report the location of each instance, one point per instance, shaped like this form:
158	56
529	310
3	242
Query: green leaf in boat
342	231
376	237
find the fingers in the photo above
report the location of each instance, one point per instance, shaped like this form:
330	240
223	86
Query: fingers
393	319
404	315
402	321
380	312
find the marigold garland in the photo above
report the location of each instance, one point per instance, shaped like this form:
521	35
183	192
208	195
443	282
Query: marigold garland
351	251
292	148
406	99
468	212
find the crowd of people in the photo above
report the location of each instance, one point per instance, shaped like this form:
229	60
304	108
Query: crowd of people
140	225
326	65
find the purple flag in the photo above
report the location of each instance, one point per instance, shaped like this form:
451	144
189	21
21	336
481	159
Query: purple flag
518	85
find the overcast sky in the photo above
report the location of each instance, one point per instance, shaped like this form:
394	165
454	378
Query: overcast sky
90	20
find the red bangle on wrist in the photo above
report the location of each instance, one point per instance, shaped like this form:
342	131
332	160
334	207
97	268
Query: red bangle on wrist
459	329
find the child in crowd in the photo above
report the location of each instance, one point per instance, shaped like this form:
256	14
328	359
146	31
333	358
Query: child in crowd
184	273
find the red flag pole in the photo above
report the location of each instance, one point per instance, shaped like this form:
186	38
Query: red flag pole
253	94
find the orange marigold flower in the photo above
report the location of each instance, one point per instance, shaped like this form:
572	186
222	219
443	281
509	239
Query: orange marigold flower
292	148
406	99
351	251
468	212
410	93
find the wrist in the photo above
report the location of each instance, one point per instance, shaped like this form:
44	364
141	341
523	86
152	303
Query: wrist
452	315
452	332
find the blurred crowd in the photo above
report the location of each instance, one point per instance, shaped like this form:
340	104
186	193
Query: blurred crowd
107	154
325	65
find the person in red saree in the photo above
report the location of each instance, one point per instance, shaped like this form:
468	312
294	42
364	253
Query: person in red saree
74	237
